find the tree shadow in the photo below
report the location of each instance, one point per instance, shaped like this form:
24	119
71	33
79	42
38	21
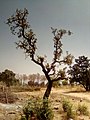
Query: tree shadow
75	91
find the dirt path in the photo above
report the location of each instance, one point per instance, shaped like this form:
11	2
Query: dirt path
67	92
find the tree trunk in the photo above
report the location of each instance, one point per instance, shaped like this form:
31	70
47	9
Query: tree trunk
88	88
87	85
45	97
48	90
3	89
6	95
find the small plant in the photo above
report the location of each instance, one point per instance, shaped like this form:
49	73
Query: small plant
23	117
83	109
67	107
66	104
35	109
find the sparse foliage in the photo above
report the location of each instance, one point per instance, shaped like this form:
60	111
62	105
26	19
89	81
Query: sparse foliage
19	25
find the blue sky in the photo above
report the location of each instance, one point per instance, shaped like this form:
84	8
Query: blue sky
71	15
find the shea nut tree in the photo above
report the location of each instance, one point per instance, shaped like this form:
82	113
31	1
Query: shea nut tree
19	26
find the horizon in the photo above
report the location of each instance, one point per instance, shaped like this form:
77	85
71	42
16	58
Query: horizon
73	15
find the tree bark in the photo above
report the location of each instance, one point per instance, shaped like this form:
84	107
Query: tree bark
46	96
48	90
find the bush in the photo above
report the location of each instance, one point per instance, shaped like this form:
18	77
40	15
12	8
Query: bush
83	109
67	107
56	84
35	109
66	104
65	82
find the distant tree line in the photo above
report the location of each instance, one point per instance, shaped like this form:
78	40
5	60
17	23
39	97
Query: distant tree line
31	77
78	72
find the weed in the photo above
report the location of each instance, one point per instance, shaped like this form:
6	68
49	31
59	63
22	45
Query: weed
83	109
67	107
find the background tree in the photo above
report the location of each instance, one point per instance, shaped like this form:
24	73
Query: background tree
32	77
20	78
24	77
80	72
19	25
8	77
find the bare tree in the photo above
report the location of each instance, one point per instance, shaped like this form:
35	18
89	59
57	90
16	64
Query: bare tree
19	25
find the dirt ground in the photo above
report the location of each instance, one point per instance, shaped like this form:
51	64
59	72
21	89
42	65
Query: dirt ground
14	111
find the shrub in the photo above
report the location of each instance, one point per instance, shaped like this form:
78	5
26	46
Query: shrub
34	109
56	84
66	104
65	82
67	107
83	109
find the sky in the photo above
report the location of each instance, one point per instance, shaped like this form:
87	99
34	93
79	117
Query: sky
73	15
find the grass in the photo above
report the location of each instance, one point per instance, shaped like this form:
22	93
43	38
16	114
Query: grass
68	108
74	109
83	109
25	88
